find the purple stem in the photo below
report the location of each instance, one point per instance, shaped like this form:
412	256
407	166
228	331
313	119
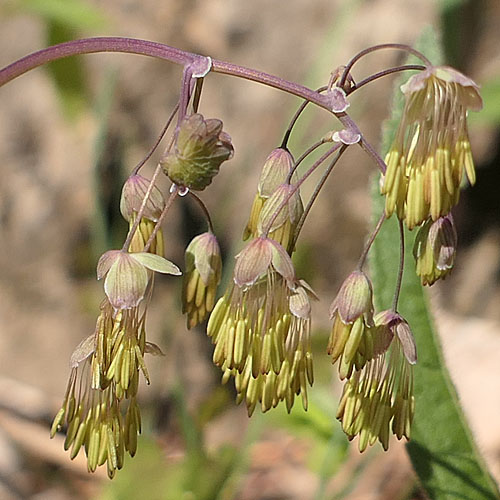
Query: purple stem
160	51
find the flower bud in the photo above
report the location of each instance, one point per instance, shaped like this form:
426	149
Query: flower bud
133	193
435	249
351	338
391	324
280	215
202	275
274	172
200	148
256	259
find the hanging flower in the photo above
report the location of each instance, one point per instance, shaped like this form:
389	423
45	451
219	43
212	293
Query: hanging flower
133	194
379	397
431	151
435	249
201	277
352	314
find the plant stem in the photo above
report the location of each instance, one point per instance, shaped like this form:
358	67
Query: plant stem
160	51
157	143
315	194
369	50
370	241
296	116
381	74
297	185
401	265
204	209
302	157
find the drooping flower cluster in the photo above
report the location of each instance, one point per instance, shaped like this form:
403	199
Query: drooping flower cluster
376	357
431	151
100	408
261	328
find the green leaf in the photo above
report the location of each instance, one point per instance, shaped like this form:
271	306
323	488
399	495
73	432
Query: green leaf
442	449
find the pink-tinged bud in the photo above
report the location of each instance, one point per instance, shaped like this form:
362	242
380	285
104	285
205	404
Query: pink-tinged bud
287	200
274	172
127	276
300	304
435	249
390	324
255	260
200	148
203	274
252	262
354	298
133	193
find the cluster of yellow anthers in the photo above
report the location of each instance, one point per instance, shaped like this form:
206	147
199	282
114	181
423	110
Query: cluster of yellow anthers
431	150
261	326
100	409
375	356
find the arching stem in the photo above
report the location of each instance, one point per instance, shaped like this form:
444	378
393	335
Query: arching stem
158	141
381	74
296	116
370	241
204	209
369	50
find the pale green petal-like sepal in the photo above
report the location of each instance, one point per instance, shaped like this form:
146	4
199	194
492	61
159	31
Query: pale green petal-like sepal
253	261
156	263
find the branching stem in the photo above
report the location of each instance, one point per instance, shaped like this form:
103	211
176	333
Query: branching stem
158	141
315	194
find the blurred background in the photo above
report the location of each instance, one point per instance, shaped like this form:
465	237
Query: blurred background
69	135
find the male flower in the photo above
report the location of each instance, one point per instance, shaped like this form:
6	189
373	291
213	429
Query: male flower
271	192
379	397
96	418
435	248
133	194
261	326
352	314
201	277
431	150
